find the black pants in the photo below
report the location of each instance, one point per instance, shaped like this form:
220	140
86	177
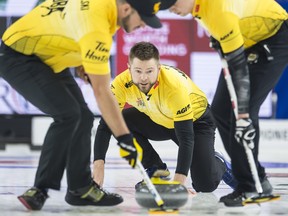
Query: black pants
263	77
67	142
206	170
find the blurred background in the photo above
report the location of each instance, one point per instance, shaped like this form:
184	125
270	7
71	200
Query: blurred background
181	42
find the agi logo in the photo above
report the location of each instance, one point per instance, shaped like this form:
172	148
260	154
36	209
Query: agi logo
183	110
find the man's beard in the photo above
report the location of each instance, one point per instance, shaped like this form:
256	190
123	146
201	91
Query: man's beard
146	89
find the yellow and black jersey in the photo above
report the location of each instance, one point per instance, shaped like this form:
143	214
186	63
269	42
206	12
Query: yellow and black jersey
174	97
237	22
67	33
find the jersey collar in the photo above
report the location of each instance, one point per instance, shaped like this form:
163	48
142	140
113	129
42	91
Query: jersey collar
154	87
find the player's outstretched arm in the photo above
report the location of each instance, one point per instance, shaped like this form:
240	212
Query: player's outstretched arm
107	104
129	148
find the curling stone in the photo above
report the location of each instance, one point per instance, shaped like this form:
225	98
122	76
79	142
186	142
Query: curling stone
173	194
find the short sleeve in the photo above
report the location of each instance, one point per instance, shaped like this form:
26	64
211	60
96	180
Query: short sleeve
95	52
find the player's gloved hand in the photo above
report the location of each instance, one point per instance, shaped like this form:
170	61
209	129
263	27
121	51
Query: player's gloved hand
245	132
130	149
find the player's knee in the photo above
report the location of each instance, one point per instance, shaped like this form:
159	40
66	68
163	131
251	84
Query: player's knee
205	186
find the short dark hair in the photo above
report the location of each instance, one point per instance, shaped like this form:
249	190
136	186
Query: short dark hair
144	51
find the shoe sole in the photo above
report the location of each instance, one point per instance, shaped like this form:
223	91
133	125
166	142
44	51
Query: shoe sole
255	200
84	202
161	173
23	201
233	205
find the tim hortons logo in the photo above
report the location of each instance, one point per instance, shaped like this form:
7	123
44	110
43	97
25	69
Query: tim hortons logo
94	54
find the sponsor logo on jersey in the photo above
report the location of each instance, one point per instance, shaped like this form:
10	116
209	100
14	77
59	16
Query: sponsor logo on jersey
84	5
56	6
226	36
96	54
183	110
140	102
128	84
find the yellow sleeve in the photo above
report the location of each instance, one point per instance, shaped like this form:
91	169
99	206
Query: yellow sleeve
96	36
223	24
95	52
226	30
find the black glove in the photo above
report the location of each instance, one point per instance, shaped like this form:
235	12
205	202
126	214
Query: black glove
215	44
130	149
245	132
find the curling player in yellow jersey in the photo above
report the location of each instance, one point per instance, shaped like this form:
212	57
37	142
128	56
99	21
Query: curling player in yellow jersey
35	55
252	37
166	105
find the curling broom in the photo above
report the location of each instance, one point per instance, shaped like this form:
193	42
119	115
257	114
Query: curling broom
261	197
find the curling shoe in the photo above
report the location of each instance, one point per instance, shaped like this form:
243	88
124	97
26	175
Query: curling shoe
238	198
34	198
161	172
93	195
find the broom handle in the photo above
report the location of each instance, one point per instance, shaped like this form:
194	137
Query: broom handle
159	201
233	97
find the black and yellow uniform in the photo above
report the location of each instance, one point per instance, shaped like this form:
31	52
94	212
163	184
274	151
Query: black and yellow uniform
61	36
36	53
174	108
176	99
261	27
239	22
